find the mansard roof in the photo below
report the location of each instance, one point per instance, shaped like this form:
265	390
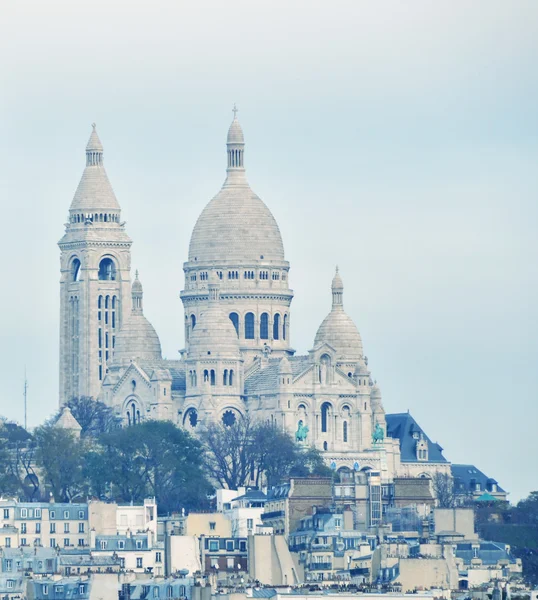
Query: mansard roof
403	426
464	475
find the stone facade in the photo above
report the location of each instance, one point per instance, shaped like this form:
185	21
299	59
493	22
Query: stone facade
238	357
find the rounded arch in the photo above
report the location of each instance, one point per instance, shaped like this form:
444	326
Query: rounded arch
74	268
264	326
190	419
326	411
107	269
276	326
132	410
234	318
249	326
193	321
230	415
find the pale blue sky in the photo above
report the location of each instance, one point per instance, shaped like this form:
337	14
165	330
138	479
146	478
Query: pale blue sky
396	139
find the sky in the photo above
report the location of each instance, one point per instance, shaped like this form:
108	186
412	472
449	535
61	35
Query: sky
397	139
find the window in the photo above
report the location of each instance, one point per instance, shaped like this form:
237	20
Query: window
81	542
9	564
229	545
325	408
10	583
38	527
66	527
214	563
250	524
285	327
82	588
213	545
344	431
66	541
276	327
243	546
52	543
80	514
59	589
24	513
230	563
139	562
6	513
8	542
155	592
23	527
264	326
212	376
234	318
81	527
45	590
225	377
158	557
52	528
23	542
103	544
52	514
249	326
122	562
212	525
138	544
107	270
337	523
38	513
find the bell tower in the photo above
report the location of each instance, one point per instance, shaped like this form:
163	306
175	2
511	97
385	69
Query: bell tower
95	288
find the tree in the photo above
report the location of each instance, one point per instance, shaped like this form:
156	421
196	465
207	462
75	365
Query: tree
60	456
17	452
255	453
443	489
155	458
93	416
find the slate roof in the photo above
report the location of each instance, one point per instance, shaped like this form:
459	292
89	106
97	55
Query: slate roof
176	368
489	552
402	426
255	495
264	380
463	474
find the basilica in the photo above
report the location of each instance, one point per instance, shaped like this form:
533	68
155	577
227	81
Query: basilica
238	359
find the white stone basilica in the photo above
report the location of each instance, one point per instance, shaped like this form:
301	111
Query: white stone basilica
237	311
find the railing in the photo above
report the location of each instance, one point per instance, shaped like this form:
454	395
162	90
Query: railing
320	566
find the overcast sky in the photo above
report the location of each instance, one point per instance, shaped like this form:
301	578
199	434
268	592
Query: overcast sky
398	140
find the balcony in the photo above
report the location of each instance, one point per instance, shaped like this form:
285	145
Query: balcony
276	514
324	566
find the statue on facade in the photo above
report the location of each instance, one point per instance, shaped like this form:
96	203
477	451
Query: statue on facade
301	433
379	434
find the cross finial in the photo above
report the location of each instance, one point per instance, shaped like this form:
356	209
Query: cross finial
337	268
235	110
94	126
136	274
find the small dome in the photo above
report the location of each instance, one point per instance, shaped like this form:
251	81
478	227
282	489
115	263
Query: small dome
137	288
337	284
214	336
235	133
137	339
94	143
66	420
338	329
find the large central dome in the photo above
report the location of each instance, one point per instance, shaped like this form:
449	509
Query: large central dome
236	225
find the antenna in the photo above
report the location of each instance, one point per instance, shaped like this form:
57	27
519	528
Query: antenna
25	401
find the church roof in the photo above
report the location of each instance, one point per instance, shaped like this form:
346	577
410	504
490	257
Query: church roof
176	368
94	192
265	379
338	329
403	426
236	225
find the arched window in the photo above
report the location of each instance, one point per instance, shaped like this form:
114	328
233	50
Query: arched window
234	318
193	321
249	326
75	269
231	376
264	326
285	328
107	270
276	327
212	376
206	375
325	410
344	431
225	377
325	446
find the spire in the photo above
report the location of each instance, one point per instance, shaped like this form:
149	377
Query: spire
337	290
236	145
94	150
137	294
